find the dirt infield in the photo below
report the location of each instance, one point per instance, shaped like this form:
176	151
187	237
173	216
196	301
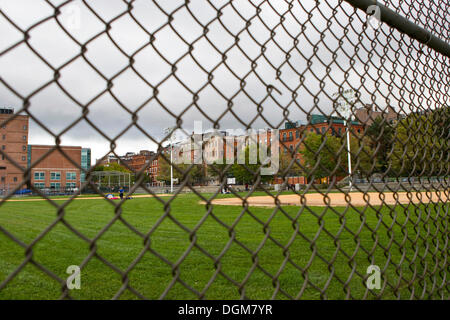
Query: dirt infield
83	198
357	199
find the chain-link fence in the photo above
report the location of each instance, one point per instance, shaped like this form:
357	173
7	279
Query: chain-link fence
354	99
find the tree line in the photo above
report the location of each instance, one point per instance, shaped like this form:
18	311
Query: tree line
417	145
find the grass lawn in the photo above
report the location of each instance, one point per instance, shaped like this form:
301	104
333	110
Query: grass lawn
255	193
284	264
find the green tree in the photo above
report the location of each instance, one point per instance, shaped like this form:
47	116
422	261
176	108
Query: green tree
249	172
113	166
364	160
321	156
421	145
326	155
288	166
380	134
216	170
196	173
99	168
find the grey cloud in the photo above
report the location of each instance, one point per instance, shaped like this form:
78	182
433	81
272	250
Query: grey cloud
22	70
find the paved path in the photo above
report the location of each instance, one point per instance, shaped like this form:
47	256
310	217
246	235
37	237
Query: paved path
338	199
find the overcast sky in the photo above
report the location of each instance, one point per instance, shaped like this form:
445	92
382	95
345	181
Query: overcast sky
305	72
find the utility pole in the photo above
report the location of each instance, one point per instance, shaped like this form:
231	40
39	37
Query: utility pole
170	130
349	157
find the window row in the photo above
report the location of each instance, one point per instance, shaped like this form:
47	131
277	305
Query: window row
3	179
24	127
23	137
39	175
24	148
23	158
54	185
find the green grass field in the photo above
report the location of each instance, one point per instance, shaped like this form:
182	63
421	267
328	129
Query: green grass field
407	248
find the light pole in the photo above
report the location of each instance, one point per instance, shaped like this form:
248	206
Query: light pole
170	130
344	106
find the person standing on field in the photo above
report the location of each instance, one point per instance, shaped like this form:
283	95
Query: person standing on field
121	193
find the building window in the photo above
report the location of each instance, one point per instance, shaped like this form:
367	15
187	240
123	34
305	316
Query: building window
71	185
25	127
39	176
4	137
291	148
55	185
71	176
24	148
3	179
39	185
284	136
297	134
3	147
24	158
24	138
55	175
290	135
359	130
323	129
339	130
15	179
312	130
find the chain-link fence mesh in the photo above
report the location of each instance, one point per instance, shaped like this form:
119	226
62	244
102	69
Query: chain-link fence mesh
314	231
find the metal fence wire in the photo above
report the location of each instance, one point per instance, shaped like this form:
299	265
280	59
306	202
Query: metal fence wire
255	64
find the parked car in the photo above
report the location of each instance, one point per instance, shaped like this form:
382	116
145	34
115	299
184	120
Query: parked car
23	191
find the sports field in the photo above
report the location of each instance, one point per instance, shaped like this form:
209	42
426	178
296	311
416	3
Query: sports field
293	252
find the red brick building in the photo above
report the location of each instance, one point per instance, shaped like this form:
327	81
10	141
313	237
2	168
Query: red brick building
109	158
369	113
291	137
135	162
55	171
155	164
14	141
290	142
153	171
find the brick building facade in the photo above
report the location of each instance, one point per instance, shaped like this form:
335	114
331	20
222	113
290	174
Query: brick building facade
291	136
55	170
369	113
136	162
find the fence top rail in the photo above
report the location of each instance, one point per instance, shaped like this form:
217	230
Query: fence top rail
352	204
